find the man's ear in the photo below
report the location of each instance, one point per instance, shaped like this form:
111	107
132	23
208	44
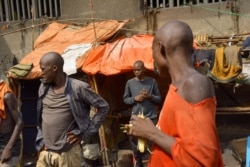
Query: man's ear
54	67
156	70
162	49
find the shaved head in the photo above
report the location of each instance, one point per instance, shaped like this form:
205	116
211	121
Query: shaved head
139	69
176	34
51	65
53	58
172	46
140	63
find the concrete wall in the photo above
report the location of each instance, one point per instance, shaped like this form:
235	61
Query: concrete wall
17	42
103	9
204	19
212	19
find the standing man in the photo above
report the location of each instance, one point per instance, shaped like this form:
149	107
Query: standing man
63	115
186	133
11	125
143	94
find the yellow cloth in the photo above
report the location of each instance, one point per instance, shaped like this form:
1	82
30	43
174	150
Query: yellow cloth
4	88
227	64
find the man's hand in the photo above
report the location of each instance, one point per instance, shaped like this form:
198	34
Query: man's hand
139	98
6	155
140	127
72	138
145	94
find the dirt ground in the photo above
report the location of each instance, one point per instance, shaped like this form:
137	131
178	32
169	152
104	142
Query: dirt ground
233	130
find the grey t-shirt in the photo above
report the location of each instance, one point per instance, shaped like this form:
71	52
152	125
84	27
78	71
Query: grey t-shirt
57	120
133	88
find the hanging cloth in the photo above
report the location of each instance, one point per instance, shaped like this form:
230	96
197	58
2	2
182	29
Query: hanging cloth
227	64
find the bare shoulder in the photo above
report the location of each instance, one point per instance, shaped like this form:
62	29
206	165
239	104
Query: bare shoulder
10	101
9	97
198	87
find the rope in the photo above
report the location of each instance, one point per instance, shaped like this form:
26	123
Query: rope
221	11
42	24
93	22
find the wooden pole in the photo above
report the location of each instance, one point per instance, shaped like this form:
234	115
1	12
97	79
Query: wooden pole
21	135
235	11
103	143
233	109
104	151
33	36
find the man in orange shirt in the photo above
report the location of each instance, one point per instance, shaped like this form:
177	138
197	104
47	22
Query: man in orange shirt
186	133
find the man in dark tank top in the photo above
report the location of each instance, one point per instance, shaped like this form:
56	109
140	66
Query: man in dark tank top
11	125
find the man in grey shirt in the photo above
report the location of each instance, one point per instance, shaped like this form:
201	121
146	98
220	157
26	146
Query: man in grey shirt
63	110
142	93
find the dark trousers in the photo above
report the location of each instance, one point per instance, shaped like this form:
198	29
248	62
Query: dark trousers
137	154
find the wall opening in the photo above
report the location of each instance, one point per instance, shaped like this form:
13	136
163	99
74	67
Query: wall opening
176	3
14	10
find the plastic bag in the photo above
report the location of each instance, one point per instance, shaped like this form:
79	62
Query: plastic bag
91	151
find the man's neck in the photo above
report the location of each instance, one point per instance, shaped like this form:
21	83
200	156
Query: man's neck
59	84
140	78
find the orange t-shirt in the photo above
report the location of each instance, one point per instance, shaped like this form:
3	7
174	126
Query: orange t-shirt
193	127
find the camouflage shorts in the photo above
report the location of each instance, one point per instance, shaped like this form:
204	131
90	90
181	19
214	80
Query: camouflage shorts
12	162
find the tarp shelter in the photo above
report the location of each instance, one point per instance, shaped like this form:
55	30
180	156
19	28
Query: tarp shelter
57	37
111	66
119	56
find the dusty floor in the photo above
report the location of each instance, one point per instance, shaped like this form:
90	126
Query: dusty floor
233	130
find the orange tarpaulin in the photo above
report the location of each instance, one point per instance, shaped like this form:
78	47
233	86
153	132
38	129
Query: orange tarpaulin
120	55
57	37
